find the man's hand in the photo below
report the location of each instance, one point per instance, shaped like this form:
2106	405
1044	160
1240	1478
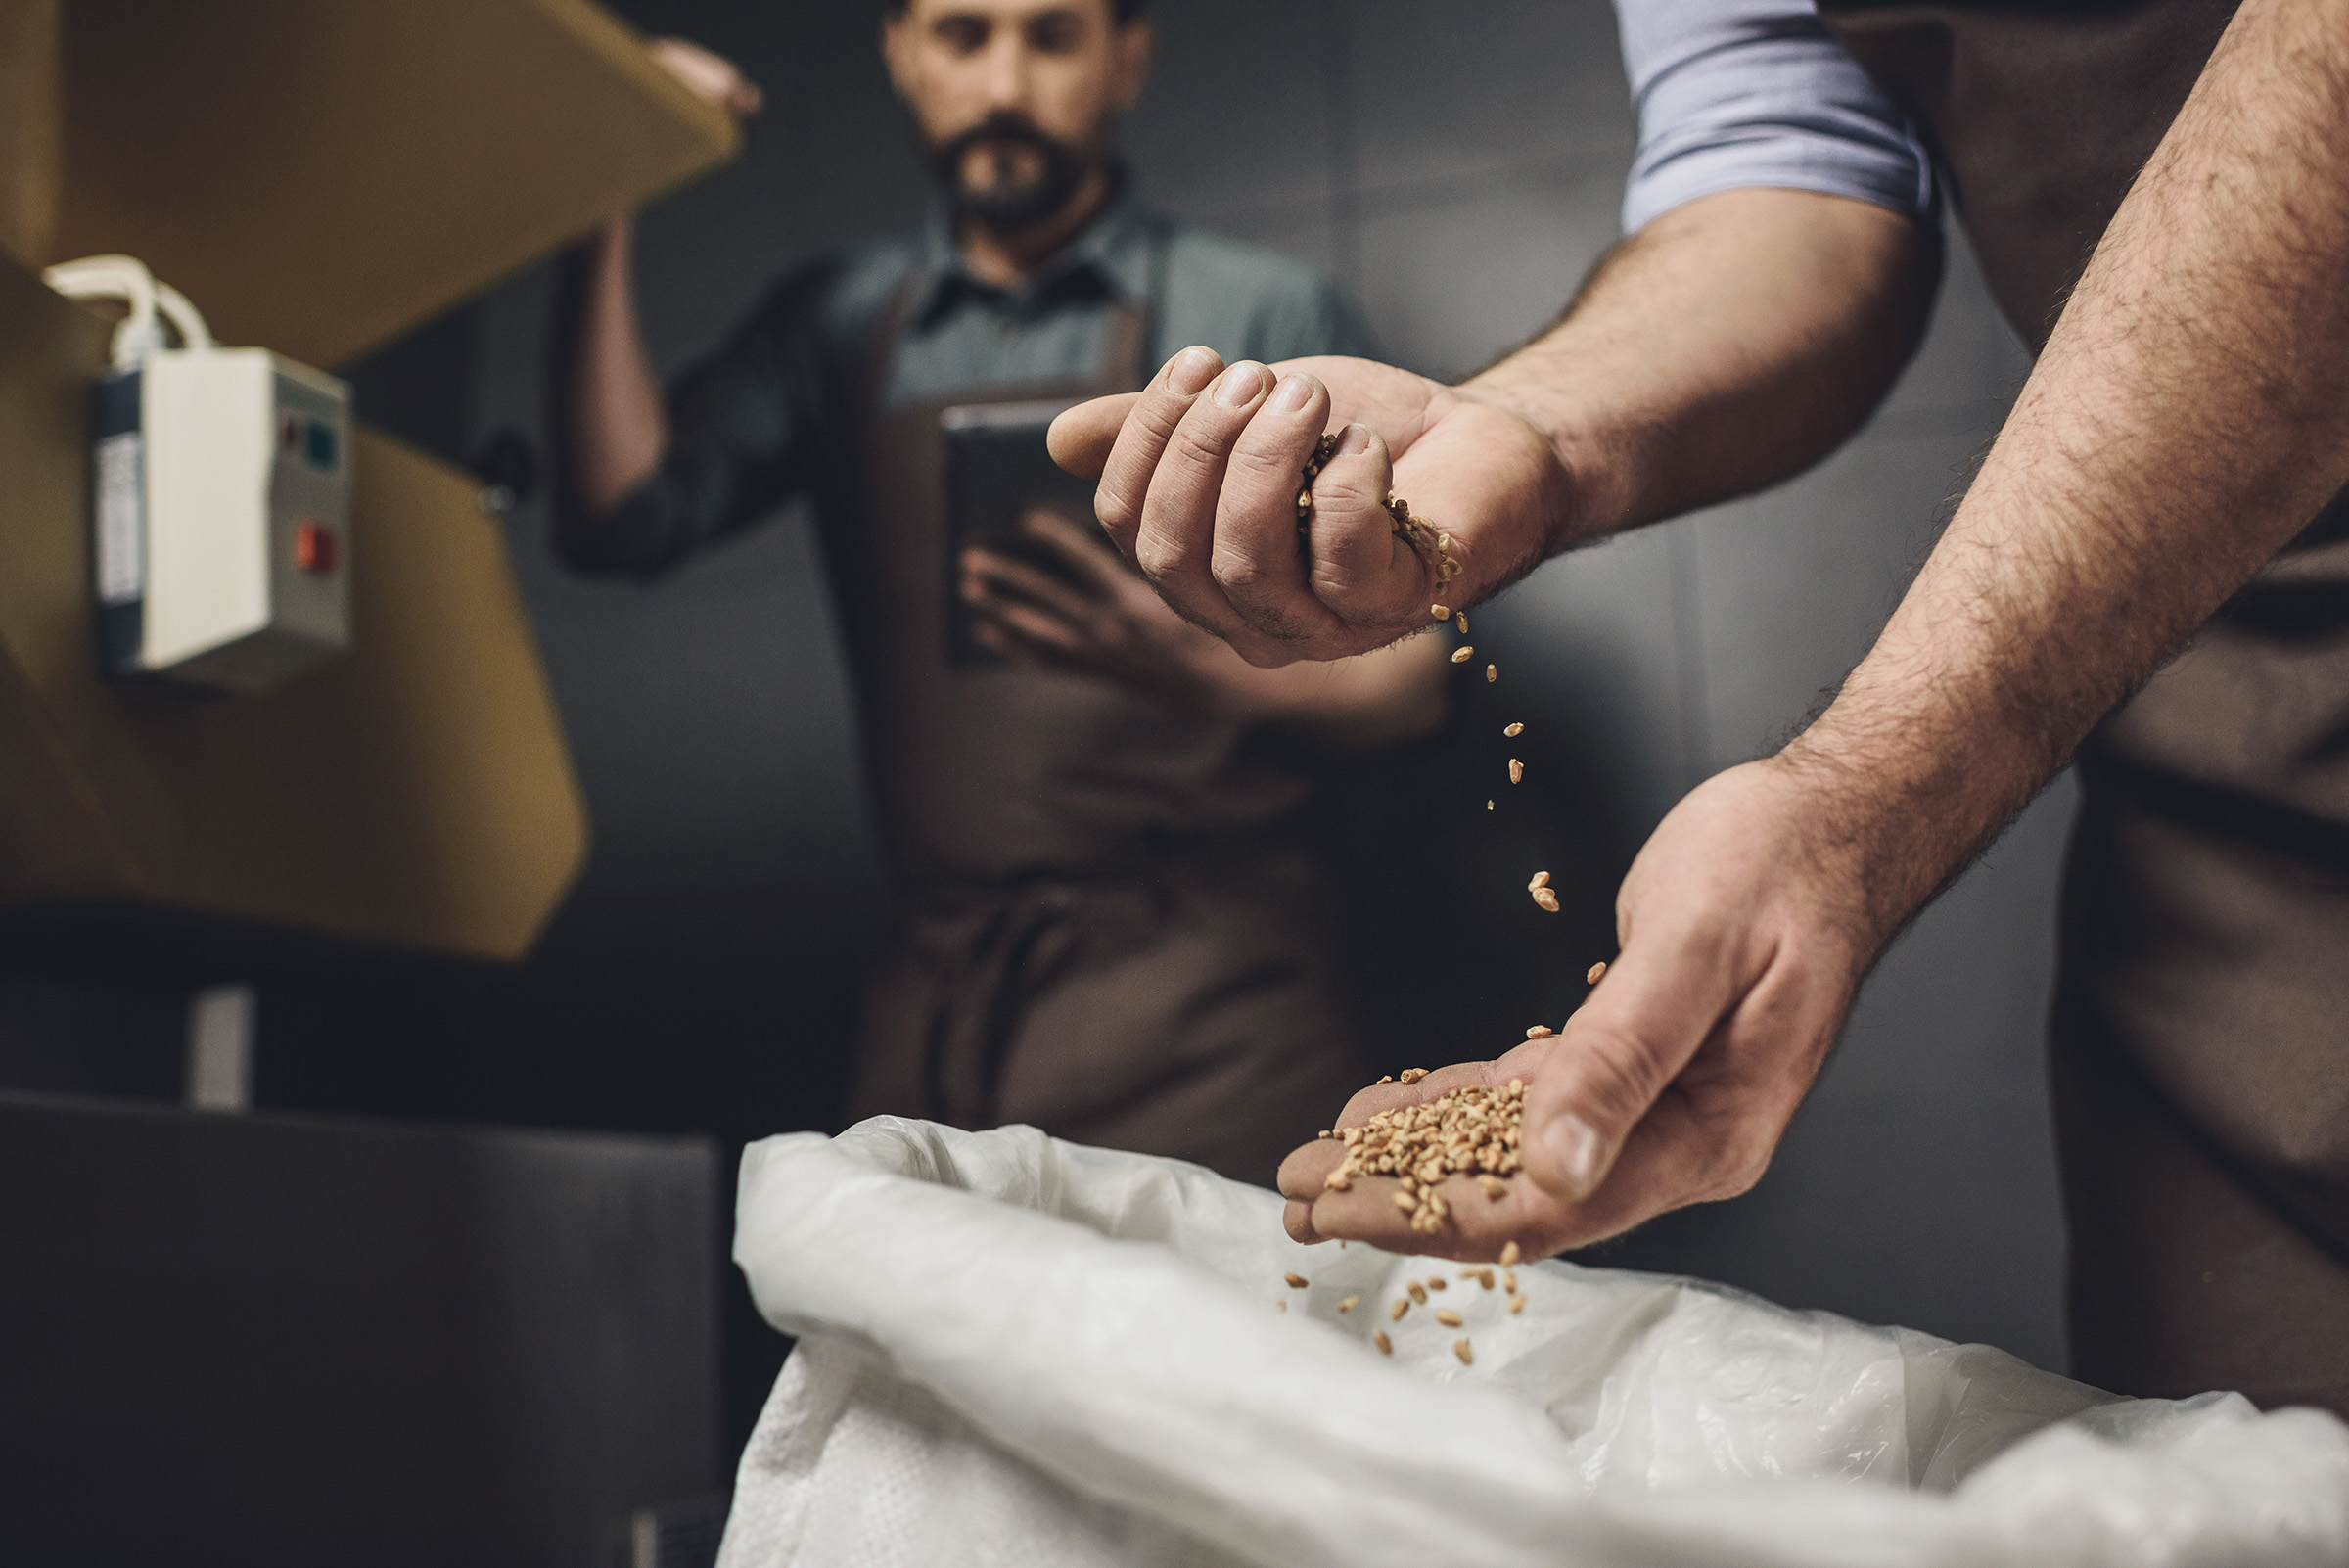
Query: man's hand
712	79
1745	929
1201	470
1105	623
1109	623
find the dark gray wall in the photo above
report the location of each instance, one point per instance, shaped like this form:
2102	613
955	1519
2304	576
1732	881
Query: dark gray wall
1458	166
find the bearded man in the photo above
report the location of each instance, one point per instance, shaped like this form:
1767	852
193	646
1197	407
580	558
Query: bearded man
1103	928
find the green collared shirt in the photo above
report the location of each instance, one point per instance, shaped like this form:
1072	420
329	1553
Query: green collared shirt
767	416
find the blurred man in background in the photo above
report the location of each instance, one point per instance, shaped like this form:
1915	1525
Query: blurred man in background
1103	928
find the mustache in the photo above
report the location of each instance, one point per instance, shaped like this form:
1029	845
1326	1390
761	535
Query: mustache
1003	126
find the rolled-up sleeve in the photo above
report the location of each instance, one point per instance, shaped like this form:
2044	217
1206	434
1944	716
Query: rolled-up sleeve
745	432
1737	94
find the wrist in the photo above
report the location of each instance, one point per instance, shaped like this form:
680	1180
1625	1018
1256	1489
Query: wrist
1905	794
613	243
1591	483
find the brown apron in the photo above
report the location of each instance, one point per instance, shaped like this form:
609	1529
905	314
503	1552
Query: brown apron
1101	929
2200	1037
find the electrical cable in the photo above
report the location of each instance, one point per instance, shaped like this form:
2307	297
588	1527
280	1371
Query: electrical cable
126	278
175	308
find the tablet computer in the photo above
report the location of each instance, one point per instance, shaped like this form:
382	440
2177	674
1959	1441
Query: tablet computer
996	470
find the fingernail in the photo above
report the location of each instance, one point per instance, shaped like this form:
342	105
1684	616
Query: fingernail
1192	369
1353	440
1290	396
1573	1145
1240	385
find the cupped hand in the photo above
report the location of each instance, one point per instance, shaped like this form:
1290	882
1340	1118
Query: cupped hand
1746	926
1200	474
711	76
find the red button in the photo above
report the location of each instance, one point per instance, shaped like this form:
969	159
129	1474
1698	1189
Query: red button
314	548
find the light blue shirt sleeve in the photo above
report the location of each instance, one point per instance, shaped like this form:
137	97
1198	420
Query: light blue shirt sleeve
1734	94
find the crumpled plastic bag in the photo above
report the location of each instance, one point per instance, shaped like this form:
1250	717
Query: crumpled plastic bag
1019	1350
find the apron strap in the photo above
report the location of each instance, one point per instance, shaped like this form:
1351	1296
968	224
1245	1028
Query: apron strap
881	347
1127	346
1129	352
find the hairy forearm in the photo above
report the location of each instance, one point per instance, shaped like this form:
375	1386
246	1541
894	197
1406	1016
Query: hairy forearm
2190	414
1729	344
617	431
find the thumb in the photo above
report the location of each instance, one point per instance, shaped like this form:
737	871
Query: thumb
1616	1057
1080	439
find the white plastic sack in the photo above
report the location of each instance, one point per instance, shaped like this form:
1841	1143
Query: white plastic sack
1025	1352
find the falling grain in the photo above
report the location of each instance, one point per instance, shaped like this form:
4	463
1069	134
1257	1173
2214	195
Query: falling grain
1593	975
1513	731
1509	1255
1547	899
1386	1345
1347	1305
1459	1348
1296	1282
1461	655
1447	1317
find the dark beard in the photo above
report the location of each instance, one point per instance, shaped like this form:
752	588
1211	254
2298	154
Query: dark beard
1008	210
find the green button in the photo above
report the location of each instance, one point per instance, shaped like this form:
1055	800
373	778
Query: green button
318	445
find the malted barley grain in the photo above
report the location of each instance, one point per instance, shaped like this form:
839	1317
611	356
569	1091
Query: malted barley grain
1471	1132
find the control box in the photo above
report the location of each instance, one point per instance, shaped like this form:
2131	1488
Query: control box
221	489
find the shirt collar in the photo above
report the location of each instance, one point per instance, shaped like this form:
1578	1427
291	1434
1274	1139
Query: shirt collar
1111	255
